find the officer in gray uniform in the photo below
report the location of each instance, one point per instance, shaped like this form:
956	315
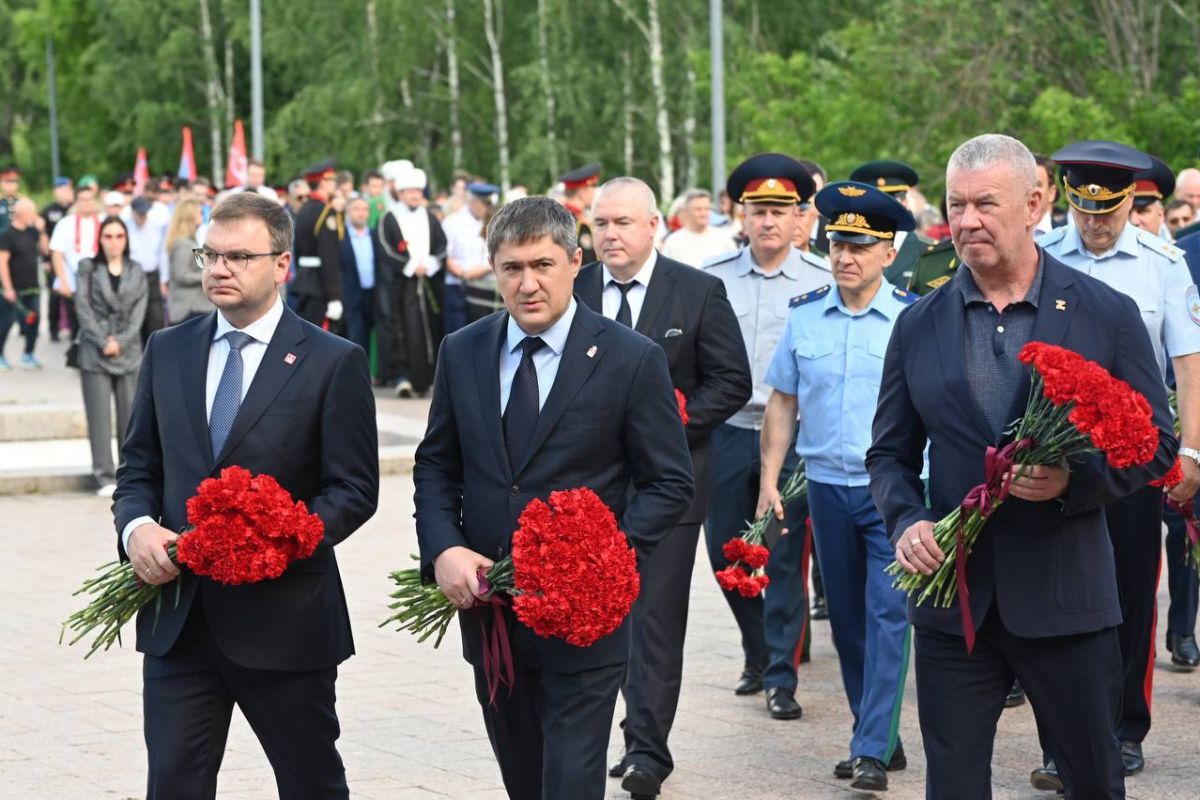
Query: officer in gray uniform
1099	185
761	280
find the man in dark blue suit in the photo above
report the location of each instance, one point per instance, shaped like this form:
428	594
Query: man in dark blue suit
250	385
1043	593
546	396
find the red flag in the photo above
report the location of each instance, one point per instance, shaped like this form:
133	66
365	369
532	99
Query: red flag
141	172
235	170
187	158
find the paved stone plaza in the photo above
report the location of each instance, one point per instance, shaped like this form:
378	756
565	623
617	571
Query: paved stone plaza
71	729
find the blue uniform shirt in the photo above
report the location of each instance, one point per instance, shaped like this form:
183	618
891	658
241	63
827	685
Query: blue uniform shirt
1150	271
831	358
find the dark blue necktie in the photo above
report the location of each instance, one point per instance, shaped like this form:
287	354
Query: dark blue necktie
624	312
229	393
521	415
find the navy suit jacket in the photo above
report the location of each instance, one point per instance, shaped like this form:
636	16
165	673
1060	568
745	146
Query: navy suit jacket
1048	566
705	352
352	291
610	423
311	425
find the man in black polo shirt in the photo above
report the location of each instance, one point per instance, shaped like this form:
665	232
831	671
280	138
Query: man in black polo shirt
19	292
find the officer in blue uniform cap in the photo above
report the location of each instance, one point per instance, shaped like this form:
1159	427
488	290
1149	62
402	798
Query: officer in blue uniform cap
896	179
1151	188
828	367
761	280
1099	182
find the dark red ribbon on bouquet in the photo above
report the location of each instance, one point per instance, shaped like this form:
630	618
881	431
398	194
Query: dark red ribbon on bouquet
984	498
1188	512
497	650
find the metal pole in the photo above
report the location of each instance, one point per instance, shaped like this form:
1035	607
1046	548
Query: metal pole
54	163
717	46
256	80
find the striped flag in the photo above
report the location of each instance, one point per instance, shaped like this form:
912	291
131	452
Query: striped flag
235	169
187	157
141	172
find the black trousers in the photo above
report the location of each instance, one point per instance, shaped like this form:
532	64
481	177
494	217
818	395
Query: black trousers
311	308
1073	684
655	672
188	698
1135	528
551	735
409	328
1181	578
155	318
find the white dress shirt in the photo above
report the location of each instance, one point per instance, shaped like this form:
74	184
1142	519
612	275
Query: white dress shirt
611	297
545	360
262	330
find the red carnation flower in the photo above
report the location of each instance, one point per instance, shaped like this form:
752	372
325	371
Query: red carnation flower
1172	479
681	401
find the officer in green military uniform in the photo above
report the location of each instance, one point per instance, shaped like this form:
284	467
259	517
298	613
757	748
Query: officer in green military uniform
896	178
934	267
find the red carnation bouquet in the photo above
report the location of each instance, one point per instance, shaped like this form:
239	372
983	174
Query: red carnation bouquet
681	401
748	554
242	529
571	575
1075	407
1186	510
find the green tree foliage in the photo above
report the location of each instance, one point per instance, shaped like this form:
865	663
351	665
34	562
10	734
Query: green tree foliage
839	84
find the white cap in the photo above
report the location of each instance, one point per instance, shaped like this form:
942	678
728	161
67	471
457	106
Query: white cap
411	178
391	169
114	199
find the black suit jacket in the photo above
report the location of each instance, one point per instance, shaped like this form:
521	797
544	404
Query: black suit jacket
687	314
1048	565
311	425
610	423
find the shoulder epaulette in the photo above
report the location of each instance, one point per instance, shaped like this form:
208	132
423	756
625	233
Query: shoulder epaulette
938	247
908	298
808	297
1159	246
1052	236
721	259
815	260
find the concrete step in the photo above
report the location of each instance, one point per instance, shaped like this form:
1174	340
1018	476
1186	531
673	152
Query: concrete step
41	421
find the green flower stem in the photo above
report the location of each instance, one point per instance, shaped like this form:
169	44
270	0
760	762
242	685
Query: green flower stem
422	609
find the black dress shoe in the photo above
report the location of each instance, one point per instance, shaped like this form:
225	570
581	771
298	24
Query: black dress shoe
869	775
1184	652
782	704
640	783
1016	696
1046	778
1131	755
617	770
845	769
820	609
750	681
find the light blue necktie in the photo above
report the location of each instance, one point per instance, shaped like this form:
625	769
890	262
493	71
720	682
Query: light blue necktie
229	393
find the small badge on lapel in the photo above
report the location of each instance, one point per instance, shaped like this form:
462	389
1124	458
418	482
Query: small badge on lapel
591	353
289	359
1060	305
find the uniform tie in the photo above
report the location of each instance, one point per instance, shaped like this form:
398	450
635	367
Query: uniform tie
624	313
521	415
229	393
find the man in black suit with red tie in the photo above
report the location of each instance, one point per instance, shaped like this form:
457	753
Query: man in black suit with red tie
251	385
547	395
686	312
1043	597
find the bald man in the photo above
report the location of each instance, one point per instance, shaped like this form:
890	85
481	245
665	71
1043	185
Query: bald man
1187	187
20	244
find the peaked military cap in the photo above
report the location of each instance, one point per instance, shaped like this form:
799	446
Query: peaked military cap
579	178
770	178
484	190
1099	174
861	214
322	169
1153	185
893	177
10	172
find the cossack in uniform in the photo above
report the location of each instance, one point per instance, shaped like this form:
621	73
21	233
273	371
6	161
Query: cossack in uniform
574	181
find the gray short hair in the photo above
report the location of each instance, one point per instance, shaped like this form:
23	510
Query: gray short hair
626	182
991	149
296	185
252	205
696	194
528	220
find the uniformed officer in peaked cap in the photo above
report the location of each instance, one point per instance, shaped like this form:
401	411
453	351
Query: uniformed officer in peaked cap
829	362
579	187
1100	184
896	178
1151	188
761	280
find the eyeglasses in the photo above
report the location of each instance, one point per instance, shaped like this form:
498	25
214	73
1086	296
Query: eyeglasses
234	262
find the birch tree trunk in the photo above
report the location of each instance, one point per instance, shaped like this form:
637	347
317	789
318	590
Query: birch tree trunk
666	165
213	94
456	140
490	8
377	103
548	90
627	111
421	157
692	162
230	106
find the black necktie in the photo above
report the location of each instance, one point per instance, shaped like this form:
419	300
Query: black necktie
624	313
521	415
